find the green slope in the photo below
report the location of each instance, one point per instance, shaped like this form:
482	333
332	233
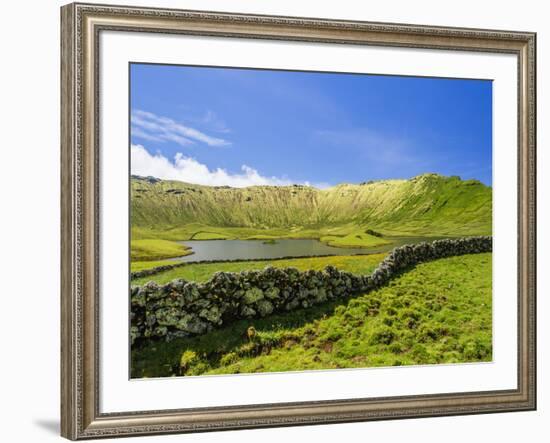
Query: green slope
428	204
428	315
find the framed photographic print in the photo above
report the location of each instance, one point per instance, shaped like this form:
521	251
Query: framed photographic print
275	221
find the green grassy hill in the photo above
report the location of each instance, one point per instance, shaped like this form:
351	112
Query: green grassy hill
428	204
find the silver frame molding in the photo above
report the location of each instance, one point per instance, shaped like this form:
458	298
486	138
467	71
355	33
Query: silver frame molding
80	381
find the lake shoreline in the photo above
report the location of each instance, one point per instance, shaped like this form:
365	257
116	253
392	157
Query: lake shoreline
222	250
176	262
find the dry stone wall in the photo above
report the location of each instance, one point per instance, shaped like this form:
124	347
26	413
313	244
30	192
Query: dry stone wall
181	308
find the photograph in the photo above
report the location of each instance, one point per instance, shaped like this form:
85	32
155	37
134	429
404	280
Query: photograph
287	220
292	219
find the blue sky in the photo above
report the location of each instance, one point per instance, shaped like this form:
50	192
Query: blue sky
240	127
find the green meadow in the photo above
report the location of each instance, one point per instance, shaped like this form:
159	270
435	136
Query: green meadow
357	264
155	249
437	312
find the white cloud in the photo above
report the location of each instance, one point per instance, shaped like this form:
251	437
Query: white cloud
151	127
189	170
212	120
140	133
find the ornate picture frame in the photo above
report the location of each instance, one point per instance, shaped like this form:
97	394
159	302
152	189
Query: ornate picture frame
81	26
